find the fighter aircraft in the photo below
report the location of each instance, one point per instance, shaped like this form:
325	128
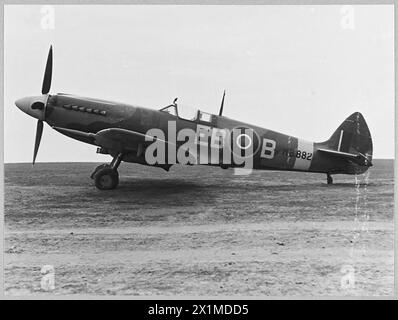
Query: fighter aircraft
128	133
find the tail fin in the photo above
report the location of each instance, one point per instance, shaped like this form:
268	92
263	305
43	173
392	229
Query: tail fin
352	136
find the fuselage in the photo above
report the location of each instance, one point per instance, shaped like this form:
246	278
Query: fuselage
271	150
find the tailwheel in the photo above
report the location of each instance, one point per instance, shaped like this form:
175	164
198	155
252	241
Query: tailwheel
106	178
329	179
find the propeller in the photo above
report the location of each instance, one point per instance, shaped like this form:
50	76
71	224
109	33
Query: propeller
222	104
39	132
48	73
45	89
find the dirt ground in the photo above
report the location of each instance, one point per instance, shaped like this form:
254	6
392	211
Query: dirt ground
198	231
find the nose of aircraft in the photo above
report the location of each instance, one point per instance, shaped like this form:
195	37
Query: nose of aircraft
33	106
23	104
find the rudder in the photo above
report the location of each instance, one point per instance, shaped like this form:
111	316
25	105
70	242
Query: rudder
352	136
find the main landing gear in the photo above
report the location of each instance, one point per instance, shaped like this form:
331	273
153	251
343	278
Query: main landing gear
329	178
106	176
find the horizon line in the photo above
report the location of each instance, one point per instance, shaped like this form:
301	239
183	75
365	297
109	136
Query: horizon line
37	162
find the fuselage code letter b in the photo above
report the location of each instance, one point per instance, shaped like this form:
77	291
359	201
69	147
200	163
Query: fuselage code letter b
268	149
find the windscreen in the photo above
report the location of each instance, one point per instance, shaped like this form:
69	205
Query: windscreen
187	112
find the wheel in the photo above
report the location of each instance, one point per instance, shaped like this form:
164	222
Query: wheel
104	165
106	179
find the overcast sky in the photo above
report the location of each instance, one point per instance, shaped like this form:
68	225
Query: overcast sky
299	70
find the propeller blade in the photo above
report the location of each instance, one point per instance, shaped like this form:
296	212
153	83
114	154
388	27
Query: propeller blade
222	104
39	132
48	73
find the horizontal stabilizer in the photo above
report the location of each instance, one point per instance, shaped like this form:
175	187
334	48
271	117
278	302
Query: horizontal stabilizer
359	158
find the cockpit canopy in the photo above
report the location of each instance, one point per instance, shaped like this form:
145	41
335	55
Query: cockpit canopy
187	112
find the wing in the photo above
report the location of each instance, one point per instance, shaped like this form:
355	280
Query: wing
123	140
117	139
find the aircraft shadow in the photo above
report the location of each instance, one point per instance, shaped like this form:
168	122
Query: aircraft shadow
158	185
347	185
164	192
183	187
158	192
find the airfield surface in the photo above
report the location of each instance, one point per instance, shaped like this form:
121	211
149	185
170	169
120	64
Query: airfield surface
198	231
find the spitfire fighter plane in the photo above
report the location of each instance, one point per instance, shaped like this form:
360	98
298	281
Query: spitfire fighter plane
128	133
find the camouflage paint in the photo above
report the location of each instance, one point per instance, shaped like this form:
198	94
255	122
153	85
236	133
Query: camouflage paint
287	152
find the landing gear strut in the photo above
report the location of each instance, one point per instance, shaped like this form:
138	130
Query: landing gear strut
106	176
329	178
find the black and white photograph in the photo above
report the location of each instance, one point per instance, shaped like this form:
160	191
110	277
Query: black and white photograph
198	151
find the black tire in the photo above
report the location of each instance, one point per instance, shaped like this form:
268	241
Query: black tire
106	179
104	165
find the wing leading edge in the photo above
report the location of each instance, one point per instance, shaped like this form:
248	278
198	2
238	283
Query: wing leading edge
118	139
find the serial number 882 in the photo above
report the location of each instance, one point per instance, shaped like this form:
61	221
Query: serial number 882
303	155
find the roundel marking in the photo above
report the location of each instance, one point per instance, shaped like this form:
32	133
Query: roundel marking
238	141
